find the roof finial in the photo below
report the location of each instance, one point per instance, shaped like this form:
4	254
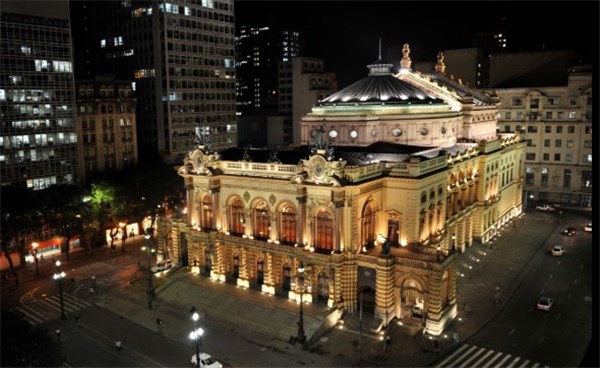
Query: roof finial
379	49
440	67
405	62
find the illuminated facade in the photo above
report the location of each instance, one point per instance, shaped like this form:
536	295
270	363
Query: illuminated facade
38	142
394	181
106	127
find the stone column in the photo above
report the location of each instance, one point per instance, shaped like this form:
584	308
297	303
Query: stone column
301	222
214	193
384	289
189	190
339	204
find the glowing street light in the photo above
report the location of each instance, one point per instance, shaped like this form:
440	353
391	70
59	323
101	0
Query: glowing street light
59	276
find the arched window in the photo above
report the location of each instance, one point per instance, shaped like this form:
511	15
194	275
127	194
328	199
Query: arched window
324	239
207	213
236	216
287	225
261	220
368	230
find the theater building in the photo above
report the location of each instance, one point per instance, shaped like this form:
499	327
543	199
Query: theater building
398	173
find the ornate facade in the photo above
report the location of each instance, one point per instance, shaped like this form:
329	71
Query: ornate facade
382	214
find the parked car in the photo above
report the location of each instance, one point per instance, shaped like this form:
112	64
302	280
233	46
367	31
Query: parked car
557	250
545	303
206	361
545	207
588	228
569	231
162	265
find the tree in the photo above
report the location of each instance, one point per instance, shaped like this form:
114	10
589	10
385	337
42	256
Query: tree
62	210
24	345
107	207
20	217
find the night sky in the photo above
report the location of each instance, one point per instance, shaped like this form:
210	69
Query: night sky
346	33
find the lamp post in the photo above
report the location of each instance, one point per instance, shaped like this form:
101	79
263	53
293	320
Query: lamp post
150	250
196	336
59	276
301	337
34	245
438	253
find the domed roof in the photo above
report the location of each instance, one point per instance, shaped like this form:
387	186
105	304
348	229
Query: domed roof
380	86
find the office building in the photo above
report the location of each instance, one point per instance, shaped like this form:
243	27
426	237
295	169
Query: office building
38	140
180	58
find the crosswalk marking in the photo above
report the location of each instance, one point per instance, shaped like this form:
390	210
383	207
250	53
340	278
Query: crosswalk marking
467	356
442	364
37	311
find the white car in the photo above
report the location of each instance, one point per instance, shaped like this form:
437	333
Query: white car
588	228
558	250
545	208
162	265
545	304
206	361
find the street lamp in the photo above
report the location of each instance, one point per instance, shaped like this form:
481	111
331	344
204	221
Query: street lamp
150	250
438	252
59	276
453	242
34	245
196	335
301	337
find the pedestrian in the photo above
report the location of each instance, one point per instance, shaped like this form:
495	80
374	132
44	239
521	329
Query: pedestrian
42	257
118	345
58	334
388	342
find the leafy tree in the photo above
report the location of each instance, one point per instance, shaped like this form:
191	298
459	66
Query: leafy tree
24	345
63	208
20	217
107	207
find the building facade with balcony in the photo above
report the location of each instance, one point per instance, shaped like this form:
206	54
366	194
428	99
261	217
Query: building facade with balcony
556	122
106	126
398	173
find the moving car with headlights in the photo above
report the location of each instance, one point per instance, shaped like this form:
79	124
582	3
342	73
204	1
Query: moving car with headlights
545	303
206	361
588	228
569	231
545	208
557	250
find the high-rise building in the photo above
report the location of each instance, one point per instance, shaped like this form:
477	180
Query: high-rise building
180	56
259	50
38	141
106	128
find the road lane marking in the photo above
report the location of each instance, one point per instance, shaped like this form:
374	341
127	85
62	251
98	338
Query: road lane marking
524	364
29	316
502	361
540	340
476	364
465	355
542	291
535	365
511	331
575	281
464	364
492	360
513	362
550	276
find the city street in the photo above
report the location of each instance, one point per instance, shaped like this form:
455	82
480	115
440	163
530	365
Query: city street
498	287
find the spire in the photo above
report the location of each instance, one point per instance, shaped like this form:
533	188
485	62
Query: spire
405	62
440	67
379	49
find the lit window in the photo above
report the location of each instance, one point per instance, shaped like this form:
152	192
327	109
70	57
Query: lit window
572	114
103	43
26	50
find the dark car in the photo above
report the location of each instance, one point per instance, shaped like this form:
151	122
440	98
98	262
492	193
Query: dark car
569	231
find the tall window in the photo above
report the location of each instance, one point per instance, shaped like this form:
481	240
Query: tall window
236	216
586	179
368	230
567	178
207	213
544	176
324	234
287	229
261	220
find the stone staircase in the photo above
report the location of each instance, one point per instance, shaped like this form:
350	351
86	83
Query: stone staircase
260	318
